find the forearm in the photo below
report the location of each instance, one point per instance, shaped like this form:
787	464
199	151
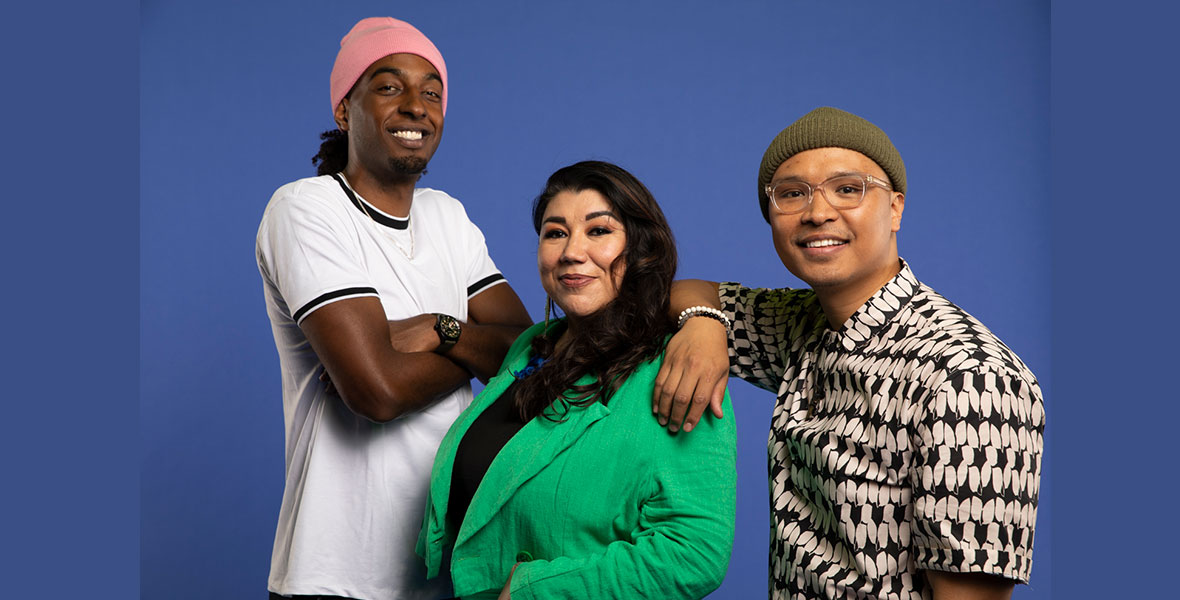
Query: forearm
495	319
693	292
376	379
968	586
408	382
481	348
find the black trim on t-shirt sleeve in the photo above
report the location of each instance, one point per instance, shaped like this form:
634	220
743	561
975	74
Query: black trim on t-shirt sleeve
483	284
373	214
322	298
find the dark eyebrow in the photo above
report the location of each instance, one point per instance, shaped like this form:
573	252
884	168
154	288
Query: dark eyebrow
400	73
601	213
589	217
390	70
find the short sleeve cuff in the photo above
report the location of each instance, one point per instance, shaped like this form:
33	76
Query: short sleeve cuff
1009	565
330	297
476	288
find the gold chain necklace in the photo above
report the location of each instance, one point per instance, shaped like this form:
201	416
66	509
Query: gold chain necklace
409	226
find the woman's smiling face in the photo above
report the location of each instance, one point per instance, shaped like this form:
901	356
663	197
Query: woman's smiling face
581	236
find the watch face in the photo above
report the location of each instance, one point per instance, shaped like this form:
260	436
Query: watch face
449	327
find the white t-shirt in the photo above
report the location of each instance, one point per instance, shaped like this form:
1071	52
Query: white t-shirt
355	490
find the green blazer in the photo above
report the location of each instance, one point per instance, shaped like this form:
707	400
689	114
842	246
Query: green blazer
605	504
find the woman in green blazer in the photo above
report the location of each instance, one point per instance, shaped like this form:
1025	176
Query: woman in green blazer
558	482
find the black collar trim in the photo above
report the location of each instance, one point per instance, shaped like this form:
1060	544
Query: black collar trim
378	216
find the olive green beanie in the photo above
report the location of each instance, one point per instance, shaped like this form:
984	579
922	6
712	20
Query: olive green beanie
827	127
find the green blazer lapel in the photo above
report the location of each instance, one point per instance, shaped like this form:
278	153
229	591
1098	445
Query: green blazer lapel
434	534
528	452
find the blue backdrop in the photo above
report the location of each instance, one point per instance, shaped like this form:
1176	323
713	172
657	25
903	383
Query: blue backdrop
686	96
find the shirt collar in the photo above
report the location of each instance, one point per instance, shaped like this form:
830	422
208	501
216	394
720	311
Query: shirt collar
378	217
878	312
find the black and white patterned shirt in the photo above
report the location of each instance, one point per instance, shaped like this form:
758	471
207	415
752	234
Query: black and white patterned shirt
910	439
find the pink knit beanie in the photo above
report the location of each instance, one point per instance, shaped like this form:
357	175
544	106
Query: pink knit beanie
373	39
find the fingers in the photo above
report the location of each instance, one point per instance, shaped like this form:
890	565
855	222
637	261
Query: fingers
689	399
682	405
692	386
693	375
718	398
329	387
659	385
667	382
711	401
684	389
695	410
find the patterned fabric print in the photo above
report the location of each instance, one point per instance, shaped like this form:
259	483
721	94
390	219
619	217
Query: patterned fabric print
910	439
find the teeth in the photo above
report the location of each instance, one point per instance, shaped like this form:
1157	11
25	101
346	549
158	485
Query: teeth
408	135
822	243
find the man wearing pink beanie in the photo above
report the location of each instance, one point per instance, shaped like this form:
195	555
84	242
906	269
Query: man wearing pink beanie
384	303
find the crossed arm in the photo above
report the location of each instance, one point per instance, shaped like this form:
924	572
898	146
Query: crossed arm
385	369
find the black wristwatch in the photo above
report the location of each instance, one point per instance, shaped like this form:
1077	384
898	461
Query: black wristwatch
448	330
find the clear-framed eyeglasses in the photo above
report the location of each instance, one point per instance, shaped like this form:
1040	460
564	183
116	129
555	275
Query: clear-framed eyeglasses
792	196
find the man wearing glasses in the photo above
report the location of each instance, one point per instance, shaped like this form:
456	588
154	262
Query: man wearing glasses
905	446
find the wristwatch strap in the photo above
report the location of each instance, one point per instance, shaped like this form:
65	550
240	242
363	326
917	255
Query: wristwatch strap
448	330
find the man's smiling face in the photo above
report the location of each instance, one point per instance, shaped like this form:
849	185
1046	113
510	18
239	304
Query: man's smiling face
394	116
838	251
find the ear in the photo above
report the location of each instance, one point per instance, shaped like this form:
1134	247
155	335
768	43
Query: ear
340	115
896	207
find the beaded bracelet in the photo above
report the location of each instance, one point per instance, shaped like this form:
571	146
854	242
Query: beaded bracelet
702	311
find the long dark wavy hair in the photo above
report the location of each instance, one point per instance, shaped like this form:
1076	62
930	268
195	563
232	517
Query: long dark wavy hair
613	341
